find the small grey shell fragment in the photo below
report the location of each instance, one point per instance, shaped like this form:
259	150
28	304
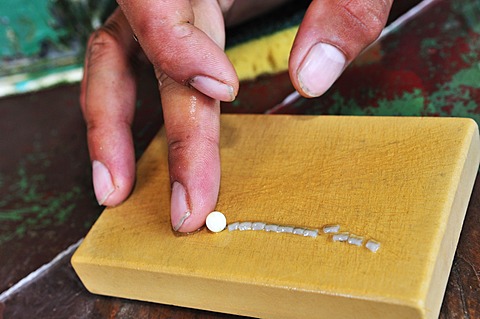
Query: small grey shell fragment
285	229
245	226
340	237
372	245
271	227
258	226
233	226
310	233
331	229
355	240
298	231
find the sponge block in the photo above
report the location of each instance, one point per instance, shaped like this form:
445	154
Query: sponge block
404	182
266	55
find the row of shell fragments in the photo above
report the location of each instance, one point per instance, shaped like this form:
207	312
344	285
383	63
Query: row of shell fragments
333	230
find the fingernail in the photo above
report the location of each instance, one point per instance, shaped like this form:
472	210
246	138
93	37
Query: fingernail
102	182
213	88
321	67
179	208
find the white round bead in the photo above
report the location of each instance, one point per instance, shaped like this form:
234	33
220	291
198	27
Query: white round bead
216	222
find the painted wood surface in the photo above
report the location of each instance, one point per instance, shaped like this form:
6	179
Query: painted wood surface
428	67
405	182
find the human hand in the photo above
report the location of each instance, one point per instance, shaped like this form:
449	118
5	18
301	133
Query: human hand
184	41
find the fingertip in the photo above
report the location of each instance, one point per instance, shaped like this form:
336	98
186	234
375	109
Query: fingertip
320	68
190	206
195	189
179	207
214	88
109	191
102	182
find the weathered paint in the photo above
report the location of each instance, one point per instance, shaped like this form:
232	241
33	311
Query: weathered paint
28	206
25	26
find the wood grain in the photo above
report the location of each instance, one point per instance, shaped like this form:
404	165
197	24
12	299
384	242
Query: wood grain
404	181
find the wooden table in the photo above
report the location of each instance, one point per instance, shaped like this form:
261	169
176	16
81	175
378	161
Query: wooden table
428	67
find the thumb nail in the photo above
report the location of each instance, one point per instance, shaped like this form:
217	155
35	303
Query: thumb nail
321	67
102	182
179	208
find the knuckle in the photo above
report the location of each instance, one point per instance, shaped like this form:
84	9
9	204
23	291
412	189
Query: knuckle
210	139
367	17
100	44
99	127
184	144
179	144
179	147
152	25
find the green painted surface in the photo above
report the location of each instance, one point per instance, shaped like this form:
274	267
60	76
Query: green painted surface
457	93
409	104
25	26
470	10
42	36
27	204
467	77
452	98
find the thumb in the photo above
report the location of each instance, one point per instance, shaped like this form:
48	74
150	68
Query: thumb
332	34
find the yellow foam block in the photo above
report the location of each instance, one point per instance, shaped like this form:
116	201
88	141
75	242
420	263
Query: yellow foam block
266	55
404	182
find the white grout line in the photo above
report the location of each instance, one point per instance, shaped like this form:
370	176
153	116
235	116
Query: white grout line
37	273
404	18
291	98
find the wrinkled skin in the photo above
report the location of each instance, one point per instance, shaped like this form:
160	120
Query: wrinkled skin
184	41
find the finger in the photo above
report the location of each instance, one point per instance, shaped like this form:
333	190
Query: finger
330	36
107	99
168	34
192	128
